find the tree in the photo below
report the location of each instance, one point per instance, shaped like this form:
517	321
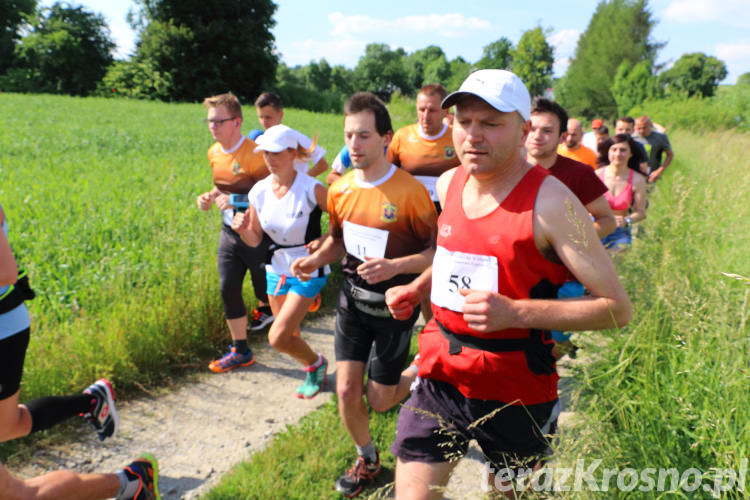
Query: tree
67	51
532	61
619	30
633	85
437	71
208	46
318	75
417	63
342	80
382	71
744	79
496	55
12	18
460	69
694	74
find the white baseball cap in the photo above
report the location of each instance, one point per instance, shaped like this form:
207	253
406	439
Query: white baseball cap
501	89
276	139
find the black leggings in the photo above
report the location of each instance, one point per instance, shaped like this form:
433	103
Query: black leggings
235	258
46	411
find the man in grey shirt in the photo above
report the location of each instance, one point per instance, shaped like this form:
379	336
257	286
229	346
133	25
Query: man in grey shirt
656	144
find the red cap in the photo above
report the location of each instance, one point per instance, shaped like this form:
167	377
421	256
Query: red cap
597	123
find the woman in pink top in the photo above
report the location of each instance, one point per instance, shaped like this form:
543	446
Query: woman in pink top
627	190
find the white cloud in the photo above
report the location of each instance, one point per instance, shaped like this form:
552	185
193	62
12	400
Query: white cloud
564	42
346	52
733	51
730	12
448	25
736	55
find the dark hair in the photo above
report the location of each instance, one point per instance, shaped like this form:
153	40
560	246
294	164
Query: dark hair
544	105
602	152
634	162
627	119
432	89
367	101
602	130
269	99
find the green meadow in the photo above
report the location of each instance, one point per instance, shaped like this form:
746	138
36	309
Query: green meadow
100	197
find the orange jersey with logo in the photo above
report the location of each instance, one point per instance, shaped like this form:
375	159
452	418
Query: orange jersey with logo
419	155
397	203
582	154
238	170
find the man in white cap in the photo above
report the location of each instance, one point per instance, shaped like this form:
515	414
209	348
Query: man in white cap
509	236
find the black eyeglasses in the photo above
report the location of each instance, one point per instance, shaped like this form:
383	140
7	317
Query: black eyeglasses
217	122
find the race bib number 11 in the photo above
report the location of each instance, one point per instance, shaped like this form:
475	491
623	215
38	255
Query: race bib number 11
454	270
362	241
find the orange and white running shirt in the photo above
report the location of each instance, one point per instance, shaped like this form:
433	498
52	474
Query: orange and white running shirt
236	170
423	156
582	154
392	217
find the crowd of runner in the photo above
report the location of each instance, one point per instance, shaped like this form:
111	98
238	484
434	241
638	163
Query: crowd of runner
487	220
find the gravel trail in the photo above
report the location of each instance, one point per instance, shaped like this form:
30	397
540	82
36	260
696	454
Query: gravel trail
204	427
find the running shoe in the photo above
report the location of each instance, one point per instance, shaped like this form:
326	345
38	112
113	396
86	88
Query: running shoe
230	360
260	320
358	476
103	414
315	380
316	303
145	470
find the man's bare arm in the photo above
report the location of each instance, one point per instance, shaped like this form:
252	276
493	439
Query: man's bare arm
330	250
570	234
604	219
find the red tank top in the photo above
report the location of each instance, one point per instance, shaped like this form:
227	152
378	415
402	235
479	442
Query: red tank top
525	376
623	200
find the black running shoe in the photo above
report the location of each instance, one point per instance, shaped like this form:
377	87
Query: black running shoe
260	320
358	476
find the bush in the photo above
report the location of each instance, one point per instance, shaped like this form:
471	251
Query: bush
139	80
297	96
729	109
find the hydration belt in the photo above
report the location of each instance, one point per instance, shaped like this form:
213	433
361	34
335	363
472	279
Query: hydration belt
537	353
17	293
367	301
273	246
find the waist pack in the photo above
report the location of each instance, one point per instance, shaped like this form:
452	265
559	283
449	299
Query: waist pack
538	355
367	301
17	293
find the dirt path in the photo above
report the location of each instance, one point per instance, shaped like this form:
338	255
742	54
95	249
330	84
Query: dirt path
202	429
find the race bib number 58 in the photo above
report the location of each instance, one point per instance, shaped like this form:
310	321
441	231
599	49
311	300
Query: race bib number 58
452	271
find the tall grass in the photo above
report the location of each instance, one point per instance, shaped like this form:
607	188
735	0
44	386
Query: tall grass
100	199
728	109
670	390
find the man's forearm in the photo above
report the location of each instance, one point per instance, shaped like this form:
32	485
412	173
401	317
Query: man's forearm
584	313
331	250
667	159
415	263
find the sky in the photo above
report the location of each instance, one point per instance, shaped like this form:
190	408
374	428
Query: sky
339	31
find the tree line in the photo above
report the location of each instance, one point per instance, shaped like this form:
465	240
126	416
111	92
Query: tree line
188	49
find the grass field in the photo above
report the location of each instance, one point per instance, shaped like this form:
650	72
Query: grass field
100	198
